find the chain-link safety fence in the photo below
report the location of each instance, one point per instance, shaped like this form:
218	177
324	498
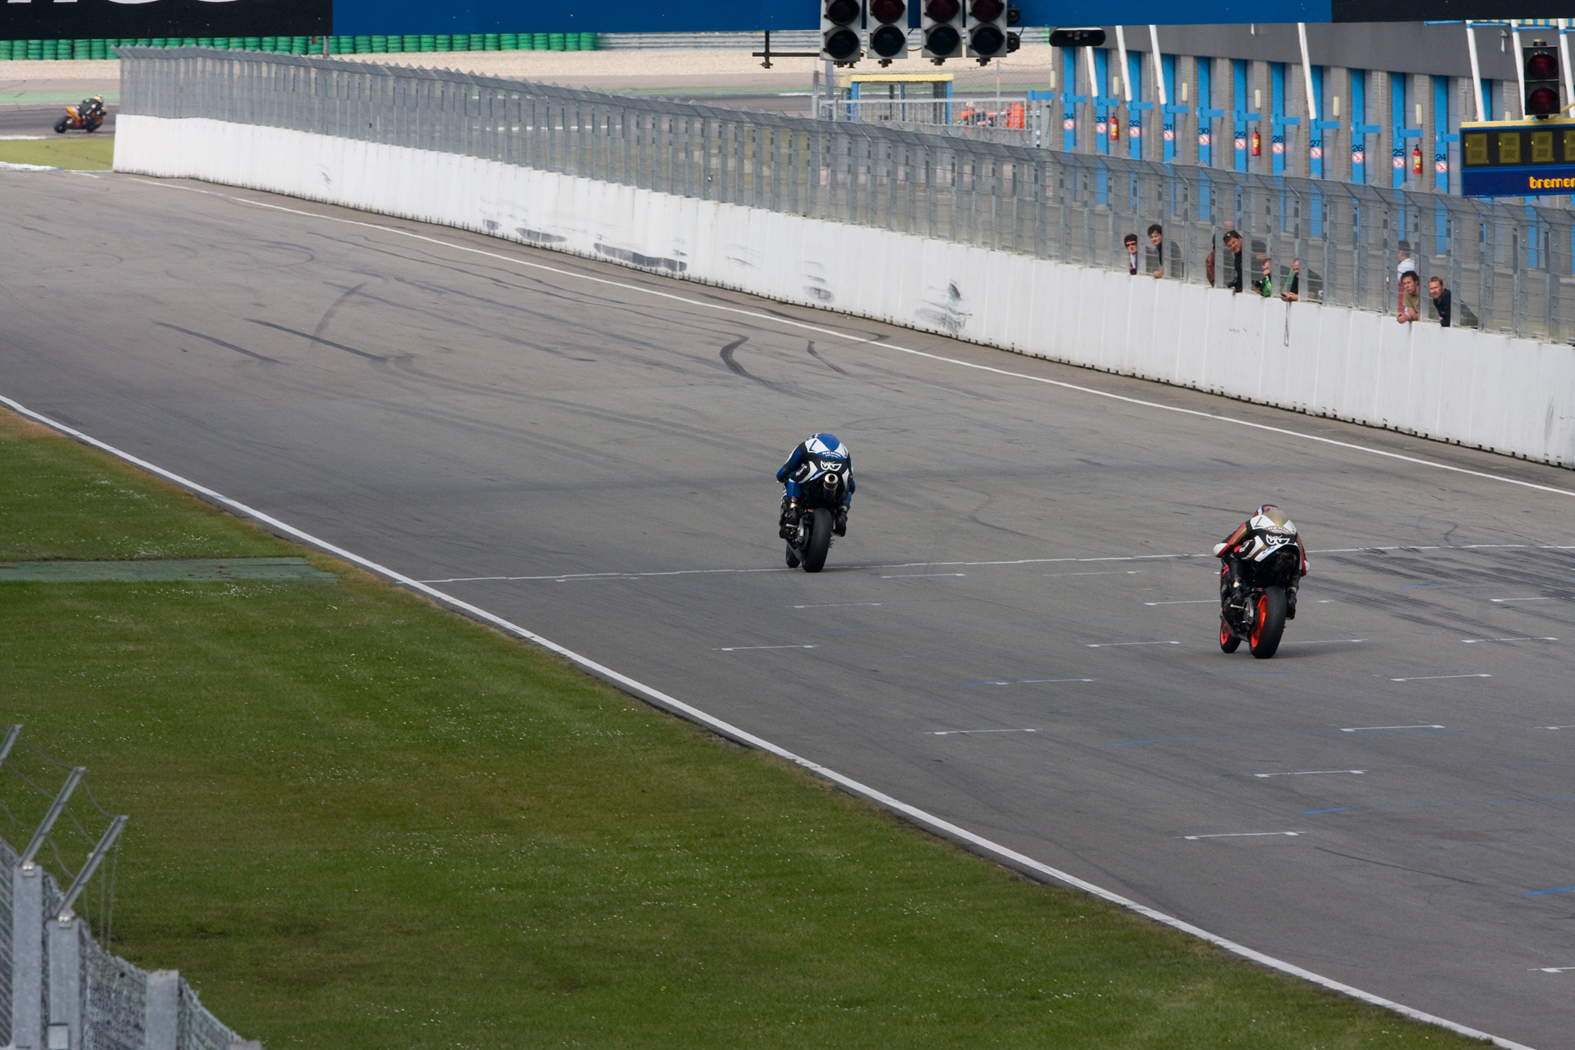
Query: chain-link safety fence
1509	266
59	988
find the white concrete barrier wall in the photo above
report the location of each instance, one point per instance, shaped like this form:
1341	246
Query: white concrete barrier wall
1513	396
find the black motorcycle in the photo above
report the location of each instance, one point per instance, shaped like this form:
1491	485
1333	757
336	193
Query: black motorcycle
1255	612
823	485
89	116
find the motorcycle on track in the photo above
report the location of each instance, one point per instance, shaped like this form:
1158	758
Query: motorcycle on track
1254	604
87	116
823	487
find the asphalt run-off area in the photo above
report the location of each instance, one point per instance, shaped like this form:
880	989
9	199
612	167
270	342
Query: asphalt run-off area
1017	635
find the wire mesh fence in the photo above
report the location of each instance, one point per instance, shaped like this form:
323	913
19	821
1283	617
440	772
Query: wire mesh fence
58	985
1509	267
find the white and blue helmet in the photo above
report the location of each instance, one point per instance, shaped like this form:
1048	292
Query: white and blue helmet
826	445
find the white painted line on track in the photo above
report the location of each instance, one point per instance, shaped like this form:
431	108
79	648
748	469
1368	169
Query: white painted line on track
1029	681
925	576
773	319
1522	638
741	648
1439	677
1113	645
1557	727
834	605
1380	729
1241	835
964	732
1189	601
559	577
1310	772
1109	572
1329	641
1552	969
671	703
1552	599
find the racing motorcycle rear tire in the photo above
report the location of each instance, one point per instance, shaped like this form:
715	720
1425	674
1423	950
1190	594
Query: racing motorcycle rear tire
61	125
1229	642
1269	624
819	541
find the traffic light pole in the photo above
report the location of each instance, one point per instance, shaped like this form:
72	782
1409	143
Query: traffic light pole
768	53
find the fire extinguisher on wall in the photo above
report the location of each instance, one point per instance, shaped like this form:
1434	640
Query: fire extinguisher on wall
1257	144
1115	129
1416	160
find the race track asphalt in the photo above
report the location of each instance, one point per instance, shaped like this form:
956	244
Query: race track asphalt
1018	634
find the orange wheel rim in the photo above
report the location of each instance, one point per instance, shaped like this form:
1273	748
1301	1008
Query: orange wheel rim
1257	624
1225	634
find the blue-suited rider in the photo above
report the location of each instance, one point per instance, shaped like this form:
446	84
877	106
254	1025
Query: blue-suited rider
820	446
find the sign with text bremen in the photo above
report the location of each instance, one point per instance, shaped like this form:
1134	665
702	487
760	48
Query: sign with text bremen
1517	158
52	19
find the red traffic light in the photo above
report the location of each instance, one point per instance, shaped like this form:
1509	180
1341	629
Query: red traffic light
1541	65
942	10
987	10
888	11
1542	102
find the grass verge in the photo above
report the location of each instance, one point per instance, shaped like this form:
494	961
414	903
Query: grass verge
77	151
361	821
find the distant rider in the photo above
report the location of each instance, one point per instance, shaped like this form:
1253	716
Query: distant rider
825	446
1268	518
91	107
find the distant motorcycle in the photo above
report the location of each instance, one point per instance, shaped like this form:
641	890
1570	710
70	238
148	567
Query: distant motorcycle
87	116
1269	561
823	485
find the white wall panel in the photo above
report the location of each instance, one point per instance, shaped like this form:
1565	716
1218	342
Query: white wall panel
1511	395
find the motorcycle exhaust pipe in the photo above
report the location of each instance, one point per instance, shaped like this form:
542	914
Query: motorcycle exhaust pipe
831	481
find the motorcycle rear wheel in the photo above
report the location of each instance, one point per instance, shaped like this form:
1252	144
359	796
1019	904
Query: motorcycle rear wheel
1229	643
61	125
819	539
1269	625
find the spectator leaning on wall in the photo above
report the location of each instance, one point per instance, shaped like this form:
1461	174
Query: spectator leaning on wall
1410	298
1442	300
1294	292
1264	286
1159	264
1233	246
1130	240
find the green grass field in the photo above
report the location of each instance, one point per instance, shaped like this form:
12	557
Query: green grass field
75	150
359	821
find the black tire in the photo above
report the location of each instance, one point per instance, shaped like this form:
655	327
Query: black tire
819	540
1229	643
61	125
792	558
91	128
1269	624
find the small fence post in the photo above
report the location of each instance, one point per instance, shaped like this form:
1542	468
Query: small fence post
161	1024
66	990
27	957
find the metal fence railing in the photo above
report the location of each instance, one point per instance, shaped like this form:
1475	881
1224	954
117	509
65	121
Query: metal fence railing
58	986
1509	266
